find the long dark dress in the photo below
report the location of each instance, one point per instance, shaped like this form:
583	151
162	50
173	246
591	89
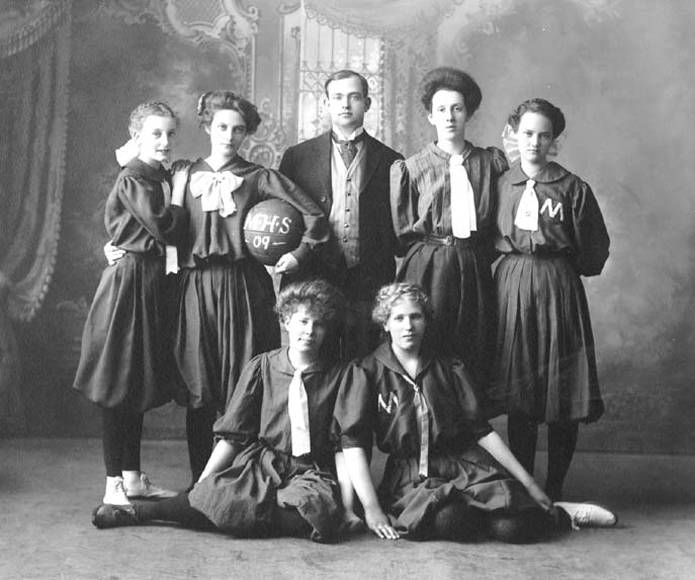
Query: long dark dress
124	360
243	499
225	307
455	273
377	396
545	364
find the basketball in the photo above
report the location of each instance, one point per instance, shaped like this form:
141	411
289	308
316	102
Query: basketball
271	229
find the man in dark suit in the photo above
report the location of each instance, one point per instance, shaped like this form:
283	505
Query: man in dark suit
346	172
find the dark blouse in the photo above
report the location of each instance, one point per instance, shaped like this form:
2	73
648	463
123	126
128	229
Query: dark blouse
421	192
569	222
213	236
258	408
376	397
136	216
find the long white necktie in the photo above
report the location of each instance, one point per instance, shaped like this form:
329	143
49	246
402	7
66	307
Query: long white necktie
298	410
214	188
171	254
527	212
463	216
423	423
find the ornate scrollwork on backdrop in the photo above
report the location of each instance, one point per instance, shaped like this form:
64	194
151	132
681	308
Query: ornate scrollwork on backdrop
226	24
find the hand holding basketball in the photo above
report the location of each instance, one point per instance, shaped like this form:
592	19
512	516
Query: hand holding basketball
287	264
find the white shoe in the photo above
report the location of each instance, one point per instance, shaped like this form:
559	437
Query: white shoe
588	515
144	489
115	492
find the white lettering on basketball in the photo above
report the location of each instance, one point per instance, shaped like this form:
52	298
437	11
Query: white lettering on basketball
285	225
263	222
552	211
259	241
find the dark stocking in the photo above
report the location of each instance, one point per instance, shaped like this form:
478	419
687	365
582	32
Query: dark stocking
522	432
176	509
457	522
122	432
526	526
199	424
290	523
562	441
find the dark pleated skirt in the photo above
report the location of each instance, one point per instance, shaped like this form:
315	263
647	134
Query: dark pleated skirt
225	317
473	477
124	360
243	499
545	363
458	280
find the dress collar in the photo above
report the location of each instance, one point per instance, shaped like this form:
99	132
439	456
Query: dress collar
146	170
433	148
550	173
280	359
384	354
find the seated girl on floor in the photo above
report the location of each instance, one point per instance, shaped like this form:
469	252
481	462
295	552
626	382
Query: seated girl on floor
449	475
271	472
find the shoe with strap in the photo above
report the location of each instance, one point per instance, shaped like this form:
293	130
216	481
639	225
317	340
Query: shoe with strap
113	516
115	493
588	515
145	489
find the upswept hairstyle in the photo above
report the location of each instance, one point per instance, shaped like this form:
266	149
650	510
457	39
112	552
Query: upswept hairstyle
543	107
144	110
346	74
453	79
211	102
319	297
390	294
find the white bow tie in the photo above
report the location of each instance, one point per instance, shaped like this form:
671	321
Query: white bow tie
214	188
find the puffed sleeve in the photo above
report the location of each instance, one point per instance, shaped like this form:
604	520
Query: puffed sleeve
591	237
354	410
241	420
275	184
498	161
470	409
404	203
142	200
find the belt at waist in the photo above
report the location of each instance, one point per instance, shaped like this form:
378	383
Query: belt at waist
450	241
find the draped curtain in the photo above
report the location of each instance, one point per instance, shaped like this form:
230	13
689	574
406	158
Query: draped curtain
34	59
34	43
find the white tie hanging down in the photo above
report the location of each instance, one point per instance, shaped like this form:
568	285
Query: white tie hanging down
527	212
463	217
298	410
171	254
215	190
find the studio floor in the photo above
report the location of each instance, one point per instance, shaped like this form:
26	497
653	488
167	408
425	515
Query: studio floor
48	488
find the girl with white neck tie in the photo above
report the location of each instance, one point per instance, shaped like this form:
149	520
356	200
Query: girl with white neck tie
271	472
551	232
443	209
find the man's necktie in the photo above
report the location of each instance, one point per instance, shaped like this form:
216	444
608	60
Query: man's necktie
298	410
527	212
348	148
463	215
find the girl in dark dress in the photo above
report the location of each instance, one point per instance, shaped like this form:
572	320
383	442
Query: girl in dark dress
448	474
123	364
550	232
225	306
271	472
443	208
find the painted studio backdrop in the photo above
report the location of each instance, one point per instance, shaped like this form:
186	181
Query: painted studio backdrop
71	71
